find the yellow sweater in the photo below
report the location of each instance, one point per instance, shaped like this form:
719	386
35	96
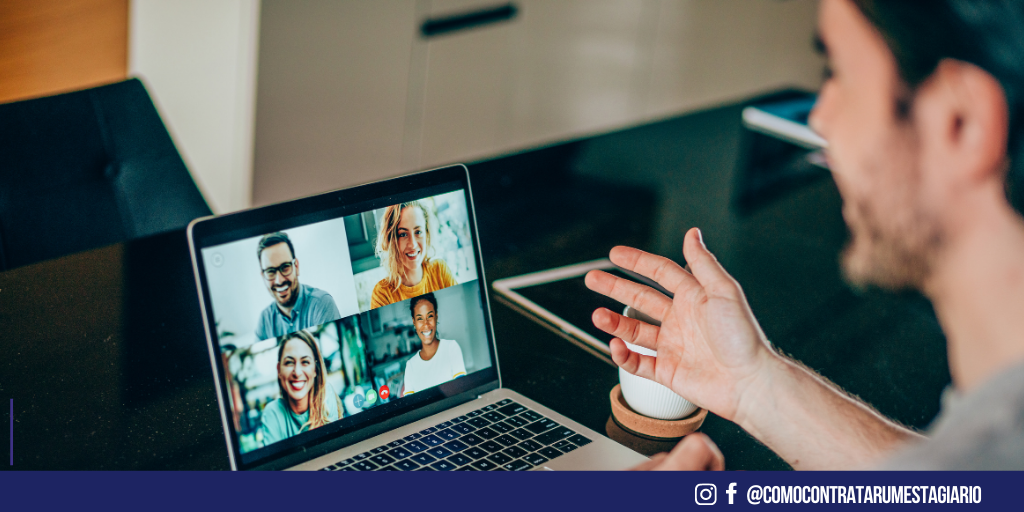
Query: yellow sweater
436	276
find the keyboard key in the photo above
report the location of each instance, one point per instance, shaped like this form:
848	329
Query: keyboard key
460	419
423	459
467	468
381	460
412	437
554	435
456	446
479	422
530	415
439	452
426	468
379	449
364	465
489	408
432	440
516	421
415	446
565	446
399	453
500	459
579	440
361	456
406	465
484	465
502	427
493	416
521	434
517	465
448	434
471	439
511	409
507	440
348	468
486	433
491	446
427	431
463	428
442	426
388	468
443	465
515	452
541	426
396	443
474	414
505	401
459	459
530	445
477	453
549	452
536	459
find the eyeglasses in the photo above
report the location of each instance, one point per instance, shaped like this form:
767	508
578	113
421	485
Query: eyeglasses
285	269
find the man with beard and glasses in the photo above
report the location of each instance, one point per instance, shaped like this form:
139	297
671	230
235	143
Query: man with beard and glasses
922	114
296	306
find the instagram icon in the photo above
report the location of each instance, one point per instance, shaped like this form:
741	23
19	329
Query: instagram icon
706	494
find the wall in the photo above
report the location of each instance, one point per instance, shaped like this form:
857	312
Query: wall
198	60
349	92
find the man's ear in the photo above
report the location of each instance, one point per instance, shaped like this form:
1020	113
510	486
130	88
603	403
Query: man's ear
975	127
296	267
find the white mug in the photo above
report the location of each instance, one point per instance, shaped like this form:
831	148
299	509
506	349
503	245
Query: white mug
646	396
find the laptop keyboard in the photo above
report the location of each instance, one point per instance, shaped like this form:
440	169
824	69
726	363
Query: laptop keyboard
504	436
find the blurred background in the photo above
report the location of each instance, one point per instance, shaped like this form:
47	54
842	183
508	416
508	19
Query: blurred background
271	100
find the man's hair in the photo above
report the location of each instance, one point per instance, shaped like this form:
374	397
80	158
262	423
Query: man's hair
271	240
986	33
429	297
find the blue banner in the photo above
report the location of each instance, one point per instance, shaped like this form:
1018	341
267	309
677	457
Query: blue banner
630	491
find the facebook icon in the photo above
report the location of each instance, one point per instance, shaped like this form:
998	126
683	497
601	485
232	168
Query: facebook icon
731	491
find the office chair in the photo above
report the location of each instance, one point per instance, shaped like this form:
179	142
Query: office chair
86	169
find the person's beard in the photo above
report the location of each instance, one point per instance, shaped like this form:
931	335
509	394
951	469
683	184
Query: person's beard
293	295
894	240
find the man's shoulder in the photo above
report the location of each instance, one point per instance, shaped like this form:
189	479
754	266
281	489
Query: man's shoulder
980	431
318	296
316	293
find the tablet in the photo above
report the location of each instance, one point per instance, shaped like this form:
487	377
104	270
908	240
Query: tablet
559	300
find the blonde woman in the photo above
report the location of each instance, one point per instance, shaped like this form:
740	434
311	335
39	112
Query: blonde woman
403	246
307	401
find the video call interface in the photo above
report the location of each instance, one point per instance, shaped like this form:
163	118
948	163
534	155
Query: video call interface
324	321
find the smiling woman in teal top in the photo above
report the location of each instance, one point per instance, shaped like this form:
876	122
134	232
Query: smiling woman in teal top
307	401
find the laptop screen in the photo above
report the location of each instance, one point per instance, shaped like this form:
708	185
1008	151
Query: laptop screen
326	325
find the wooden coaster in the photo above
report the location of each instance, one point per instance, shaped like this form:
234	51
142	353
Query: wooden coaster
652	428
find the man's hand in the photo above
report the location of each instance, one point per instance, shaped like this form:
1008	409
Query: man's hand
696	452
712	352
710	348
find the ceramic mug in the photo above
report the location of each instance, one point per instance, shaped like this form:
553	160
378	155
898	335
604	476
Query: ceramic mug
646	396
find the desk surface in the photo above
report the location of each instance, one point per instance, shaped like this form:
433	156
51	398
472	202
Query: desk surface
105	356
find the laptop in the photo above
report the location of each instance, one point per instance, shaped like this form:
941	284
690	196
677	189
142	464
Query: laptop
351	331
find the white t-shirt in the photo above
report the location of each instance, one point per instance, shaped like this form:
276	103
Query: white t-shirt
446	365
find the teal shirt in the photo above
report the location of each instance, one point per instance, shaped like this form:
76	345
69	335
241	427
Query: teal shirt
279	422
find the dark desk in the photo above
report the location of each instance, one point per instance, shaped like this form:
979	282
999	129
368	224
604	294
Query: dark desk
105	356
